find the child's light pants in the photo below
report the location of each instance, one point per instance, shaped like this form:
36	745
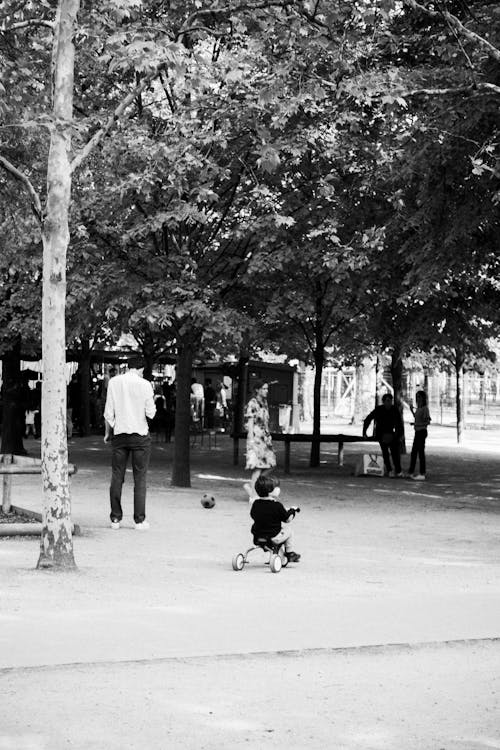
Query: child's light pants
285	535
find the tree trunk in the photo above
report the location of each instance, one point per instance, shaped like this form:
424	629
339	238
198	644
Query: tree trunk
377	380
319	361
239	403
148	351
397	385
56	546
300	395
85	389
459	370
13	402
181	471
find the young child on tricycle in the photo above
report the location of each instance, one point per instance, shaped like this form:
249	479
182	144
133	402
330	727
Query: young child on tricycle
271	518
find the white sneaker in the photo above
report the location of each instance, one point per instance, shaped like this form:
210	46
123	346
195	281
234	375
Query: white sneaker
418	477
142	526
391	474
115	524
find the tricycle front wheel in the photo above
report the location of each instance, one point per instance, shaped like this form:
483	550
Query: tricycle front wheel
238	561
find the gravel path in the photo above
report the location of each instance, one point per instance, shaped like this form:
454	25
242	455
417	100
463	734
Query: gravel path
385	635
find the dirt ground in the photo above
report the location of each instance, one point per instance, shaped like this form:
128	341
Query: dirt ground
385	635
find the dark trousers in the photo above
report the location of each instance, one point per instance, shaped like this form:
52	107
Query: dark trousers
418	449
139	446
393	448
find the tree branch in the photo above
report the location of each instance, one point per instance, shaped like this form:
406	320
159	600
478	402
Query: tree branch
132	96
120	109
453	21
200	27
24	180
302	327
168	92
29	23
216	9
470	89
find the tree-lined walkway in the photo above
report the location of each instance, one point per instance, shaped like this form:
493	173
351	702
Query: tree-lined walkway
160	627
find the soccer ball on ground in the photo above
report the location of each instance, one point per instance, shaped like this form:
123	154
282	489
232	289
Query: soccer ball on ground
208	501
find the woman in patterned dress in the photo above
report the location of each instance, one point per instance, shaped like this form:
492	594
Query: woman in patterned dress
260	457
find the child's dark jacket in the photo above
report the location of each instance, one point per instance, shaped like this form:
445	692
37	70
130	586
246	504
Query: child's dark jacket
268	515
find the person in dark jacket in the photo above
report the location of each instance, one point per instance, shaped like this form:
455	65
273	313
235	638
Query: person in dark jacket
270	517
389	430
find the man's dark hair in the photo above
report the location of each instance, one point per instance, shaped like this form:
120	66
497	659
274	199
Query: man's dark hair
264	486
136	362
387	397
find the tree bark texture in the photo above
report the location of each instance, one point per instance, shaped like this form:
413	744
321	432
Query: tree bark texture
181	470
56	546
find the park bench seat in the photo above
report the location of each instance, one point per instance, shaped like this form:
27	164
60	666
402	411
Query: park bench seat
288	438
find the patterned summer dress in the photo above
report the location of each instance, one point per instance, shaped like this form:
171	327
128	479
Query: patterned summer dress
260	453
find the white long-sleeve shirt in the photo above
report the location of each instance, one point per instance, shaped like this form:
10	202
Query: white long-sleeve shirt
129	401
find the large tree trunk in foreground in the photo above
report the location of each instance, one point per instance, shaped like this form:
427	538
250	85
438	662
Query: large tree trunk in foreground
181	470
56	546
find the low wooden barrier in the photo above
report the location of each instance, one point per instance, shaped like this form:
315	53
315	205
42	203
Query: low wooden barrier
11	465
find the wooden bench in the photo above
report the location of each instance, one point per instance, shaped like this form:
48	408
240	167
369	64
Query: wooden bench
289	438
11	464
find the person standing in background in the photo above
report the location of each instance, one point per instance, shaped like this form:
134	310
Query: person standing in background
422	421
260	456
197	401
129	404
221	404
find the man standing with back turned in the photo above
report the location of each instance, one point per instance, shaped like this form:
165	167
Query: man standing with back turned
129	401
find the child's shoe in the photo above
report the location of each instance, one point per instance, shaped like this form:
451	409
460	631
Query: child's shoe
292	556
